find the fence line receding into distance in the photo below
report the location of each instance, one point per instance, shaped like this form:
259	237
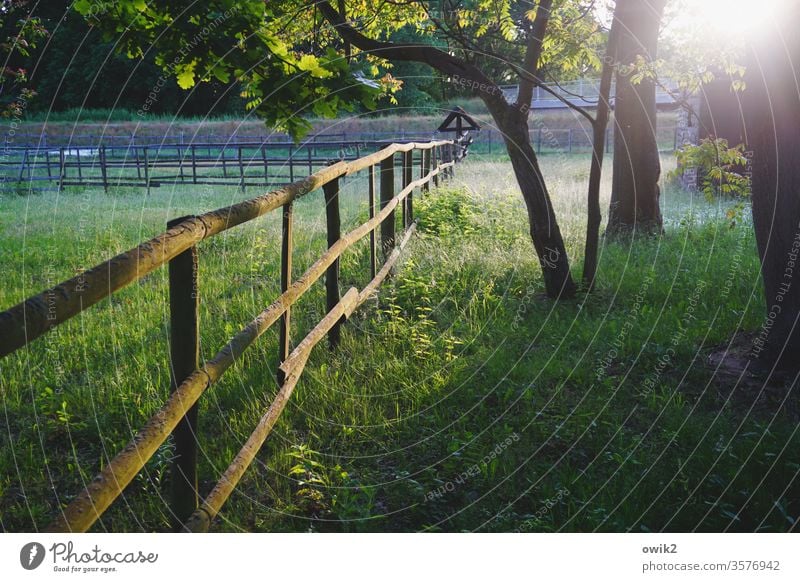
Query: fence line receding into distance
178	247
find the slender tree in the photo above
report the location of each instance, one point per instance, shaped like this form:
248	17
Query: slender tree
599	127
637	167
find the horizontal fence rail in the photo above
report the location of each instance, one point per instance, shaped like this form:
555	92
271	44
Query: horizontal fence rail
177	246
242	161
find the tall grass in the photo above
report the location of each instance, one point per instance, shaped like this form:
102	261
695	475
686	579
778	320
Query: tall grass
460	400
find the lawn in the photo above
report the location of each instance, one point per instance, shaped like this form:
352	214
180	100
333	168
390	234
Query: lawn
461	400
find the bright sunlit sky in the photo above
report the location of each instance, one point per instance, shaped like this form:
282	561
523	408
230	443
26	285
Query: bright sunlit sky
737	16
734	17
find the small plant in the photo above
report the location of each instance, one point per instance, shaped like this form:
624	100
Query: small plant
325	491
721	167
312	480
449	212
722	170
157	470
54	411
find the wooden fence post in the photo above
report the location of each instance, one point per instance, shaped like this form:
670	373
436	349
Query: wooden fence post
49	172
387	193
266	163
184	302
435	164
146	170
194	164
331	190
78	159
425	163
285	332
22	165
181	157
62	169
103	169
408	203
373	255
138	166
241	168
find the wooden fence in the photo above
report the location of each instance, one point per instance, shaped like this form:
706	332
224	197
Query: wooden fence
178	247
148	166
149	162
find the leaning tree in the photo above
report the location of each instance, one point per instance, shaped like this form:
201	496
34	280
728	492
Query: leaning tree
295	58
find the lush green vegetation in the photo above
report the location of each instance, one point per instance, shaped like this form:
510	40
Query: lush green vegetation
460	400
78	75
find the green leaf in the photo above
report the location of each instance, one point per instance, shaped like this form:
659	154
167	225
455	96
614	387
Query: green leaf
186	77
222	74
82	6
311	64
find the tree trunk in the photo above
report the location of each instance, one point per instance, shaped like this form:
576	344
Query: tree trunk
772	122
544	231
512	120
637	167
599	128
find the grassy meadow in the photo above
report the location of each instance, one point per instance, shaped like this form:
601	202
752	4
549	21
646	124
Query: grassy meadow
460	400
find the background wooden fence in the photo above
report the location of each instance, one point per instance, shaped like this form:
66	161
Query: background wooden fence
418	164
153	161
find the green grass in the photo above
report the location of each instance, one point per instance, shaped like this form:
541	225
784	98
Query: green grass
461	379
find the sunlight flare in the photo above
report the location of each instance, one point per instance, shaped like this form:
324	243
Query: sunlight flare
738	17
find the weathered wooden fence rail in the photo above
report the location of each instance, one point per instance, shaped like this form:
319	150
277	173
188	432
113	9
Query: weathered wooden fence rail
178	247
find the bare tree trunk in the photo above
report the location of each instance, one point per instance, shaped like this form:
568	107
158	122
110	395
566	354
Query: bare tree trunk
599	128
544	231
637	167
772	119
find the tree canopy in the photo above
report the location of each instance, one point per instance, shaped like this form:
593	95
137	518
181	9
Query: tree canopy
19	34
291	62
